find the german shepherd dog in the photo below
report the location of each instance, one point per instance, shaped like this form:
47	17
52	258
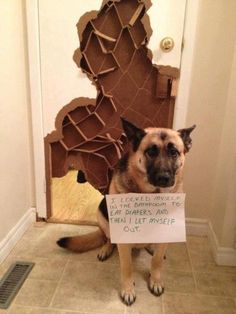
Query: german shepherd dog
153	164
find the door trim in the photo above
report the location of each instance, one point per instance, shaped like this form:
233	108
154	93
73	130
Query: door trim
187	60
181	104
32	20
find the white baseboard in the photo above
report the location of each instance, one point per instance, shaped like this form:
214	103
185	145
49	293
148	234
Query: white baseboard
197	227
15	234
224	256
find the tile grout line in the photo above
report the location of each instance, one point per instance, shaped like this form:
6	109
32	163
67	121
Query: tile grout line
94	262
201	294
59	282
192	268
37	307
162	304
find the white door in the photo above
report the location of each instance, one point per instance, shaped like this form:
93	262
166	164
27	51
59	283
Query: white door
61	80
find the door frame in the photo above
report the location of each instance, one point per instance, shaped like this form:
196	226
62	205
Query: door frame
35	89
35	81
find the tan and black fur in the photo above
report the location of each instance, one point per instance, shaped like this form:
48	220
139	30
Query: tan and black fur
153	164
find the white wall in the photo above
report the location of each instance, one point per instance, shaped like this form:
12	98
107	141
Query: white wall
16	184
210	168
223	211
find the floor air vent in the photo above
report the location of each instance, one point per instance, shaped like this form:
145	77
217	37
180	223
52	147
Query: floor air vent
12	281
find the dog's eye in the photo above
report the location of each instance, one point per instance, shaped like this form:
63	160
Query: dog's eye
152	151
172	151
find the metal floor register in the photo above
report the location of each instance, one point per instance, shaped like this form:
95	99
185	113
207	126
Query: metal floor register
12	281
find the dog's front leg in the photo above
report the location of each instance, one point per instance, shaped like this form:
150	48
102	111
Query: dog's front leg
127	281
156	285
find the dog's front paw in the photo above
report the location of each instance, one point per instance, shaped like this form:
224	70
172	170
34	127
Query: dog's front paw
103	256
105	252
156	287
128	295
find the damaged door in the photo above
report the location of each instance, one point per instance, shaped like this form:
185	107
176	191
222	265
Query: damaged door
113	55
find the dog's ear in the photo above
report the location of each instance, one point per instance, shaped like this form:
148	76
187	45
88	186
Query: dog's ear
185	135
133	133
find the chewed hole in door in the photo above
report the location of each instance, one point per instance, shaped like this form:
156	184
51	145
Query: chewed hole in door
73	202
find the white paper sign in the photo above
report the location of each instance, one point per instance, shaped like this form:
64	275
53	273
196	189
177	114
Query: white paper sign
146	218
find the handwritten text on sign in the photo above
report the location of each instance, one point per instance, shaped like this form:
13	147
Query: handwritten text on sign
146	218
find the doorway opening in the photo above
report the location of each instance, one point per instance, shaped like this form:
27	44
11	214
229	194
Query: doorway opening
74	202
79	143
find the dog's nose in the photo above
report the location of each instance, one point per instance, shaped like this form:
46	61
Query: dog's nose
163	179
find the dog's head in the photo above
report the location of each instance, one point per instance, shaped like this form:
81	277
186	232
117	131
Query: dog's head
158	153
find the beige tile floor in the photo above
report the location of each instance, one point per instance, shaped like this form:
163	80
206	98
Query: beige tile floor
64	283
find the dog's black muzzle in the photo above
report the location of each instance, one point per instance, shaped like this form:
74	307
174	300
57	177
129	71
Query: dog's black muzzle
162	179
